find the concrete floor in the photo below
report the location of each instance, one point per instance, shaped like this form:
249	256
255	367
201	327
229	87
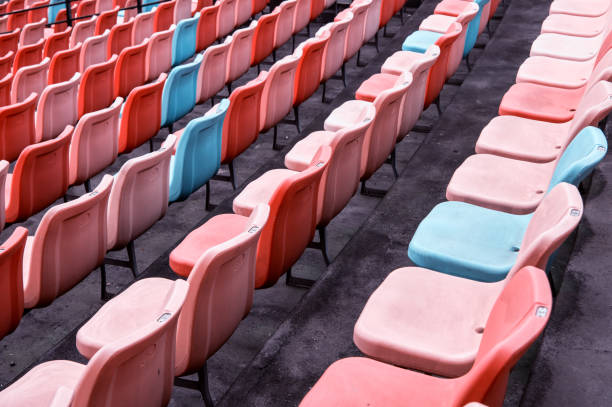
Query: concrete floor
291	334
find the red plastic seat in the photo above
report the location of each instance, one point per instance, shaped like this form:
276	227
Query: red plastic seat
56	42
11	280
212	72
141	116
5	89
93	51
387	10
316	8
159	54
130	70
244	10
17	20
29	55
86	8
164	16
333	54
57	108
83	30
6	64
17	128
439	70
29	79
31	33
96	89
309	69
64	64
239	54
226	17
263	40
284	25
9	41
120	37
206	32
39	178
259	6
143	27
106	20
548	104
38	14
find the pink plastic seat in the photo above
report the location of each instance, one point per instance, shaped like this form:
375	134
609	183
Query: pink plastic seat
93	51
9	41
17	128
83	30
159	54
28	55
443	24
130	70
206	32
244	10
11	280
333	53
120	37
103	5
29	79
5	90
356	14
6	64
594	8
212	71
284	26
537	141
516	320
106	20
32	33
65	64
96	89
57	108
182	10
576	26
239	54
164	16
57	42
372	23
143	27
226	17
302	15
37	14
143	360
567	47
43	165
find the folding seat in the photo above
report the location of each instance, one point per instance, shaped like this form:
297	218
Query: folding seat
372	23
5	89
518	316
141	115
264	38
17	20
244	10
259	6
44	165
354	39
514	186
179	94
17	127
182	10
120	37
333	53
387	10
535	141
31	33
292	197
221	283
184	40
164	15
96	90
143	27
198	153
28	80
93	51
86	8
106	20
103	5
466	13
64	64
302	16
11	264
239	54
38	14
9	41
442	24
341	178
576	26
593	8
83	30
568	47
226	17
213	70
284	25
56	42
57	108
206	33
143	360
130	70
28	55
159	53
63	16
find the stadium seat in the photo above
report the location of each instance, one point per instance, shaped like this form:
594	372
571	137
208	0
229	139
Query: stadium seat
302	15
213	70
53	10
31	33
64	64
244	10
29	79
93	51
57	108
206	33
56	42
35	15
130	70
179	94
11	279
593	8
259	6
5	89
86	8
143	27
576	26
63	16
159	53
184	40
120	37
96	89
29	55
17	20
263	40
334	51
6	63
442	24
182	10
239	54
83	30
106	20
284	25
17	127
356	15
468	15
9	41
226	17
164	15
372	23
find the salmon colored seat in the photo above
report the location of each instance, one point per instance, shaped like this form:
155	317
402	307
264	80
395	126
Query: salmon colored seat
333	53
4	167
594	8
212	74
182	10
244	10
179	94
567	47
6	64
226	17
143	27
38	14
120	37
443	24
31	33
29	79
206	32
83	30
57	42
517	317
130	70
17	127
467	13
93	51
284	25
164	15
11	278
57	108
5	89
144	360
86	8
65	64
106	20
96	89
356	15
159	53
17	20
63	16
9	41
264	37
239	54
29	55
576	26
372	23
292	197
184	40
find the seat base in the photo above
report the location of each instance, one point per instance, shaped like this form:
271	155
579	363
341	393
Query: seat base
538	102
559	73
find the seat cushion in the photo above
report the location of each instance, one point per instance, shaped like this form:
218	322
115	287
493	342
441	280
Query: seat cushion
260	190
560	73
576	26
437	23
374	85
303	152
500	183
468	241
419	41
400	62
591	8
347	114
566	47
424	320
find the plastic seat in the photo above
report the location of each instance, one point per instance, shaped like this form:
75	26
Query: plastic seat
83	30
333	53
576	26
11	280
65	64
213	70
468	14
63	16
372	23
284	25
464	240
316	8
28	55
93	51
57	108
45	165
53	9
130	70
5	89
144	360
516	320
86	8
6	63
17	20
244	10
198	153
387	10
206	33
120	38
29	79
164	15
593	8
96	89
179	94
141	115
259	6
9	41
182	10
302	15
443	24
31	33
143	27
566	47
17	127
292	197
159	54
535	141
263	40
518	187
354	39
309	70
184	40
38	14
56	42
103	5
226	17
239	53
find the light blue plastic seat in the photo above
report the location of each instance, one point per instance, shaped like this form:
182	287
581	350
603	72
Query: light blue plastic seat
420	41
184	39
472	31
198	153
53	10
179	94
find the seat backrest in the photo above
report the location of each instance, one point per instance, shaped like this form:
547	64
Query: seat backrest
65	64
94	142
179	94
184	40
40	177
6	64
9	41
120	37
57	42
244	10
357	15
103	5
292	221
239	57
554	219
159	53
143	27
106	20
594	106
141	115
130	70
96	89
241	127
220	295
302	15
333	53
29	79
57	108
182	10
284	25
372	23
11	280
93	51
31	33
139	197
143	360
316	8
53	9
164	15
17	127
277	97
5	89
213	71
86	8
308	72
206	33
387	10
259	5
35	15
517	319
226	17
198	152
17	20
83	30
63	16
4	166
438	72
264	38
585	151
29	55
